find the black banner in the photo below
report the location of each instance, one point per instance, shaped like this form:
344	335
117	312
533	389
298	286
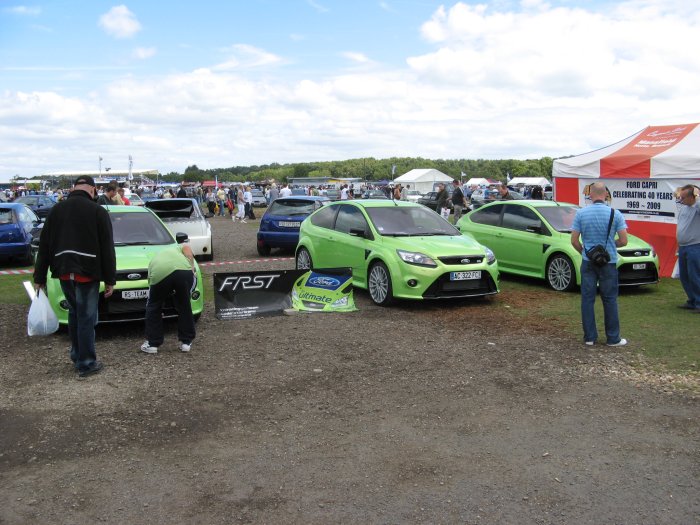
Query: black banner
243	295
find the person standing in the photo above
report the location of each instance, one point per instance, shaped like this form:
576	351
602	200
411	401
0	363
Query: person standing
211	201
121	193
171	273
240	201
77	244
221	201
181	193
592	223
688	236
274	193
248	199
109	195
504	194
285	191
404	192
441	205
457	200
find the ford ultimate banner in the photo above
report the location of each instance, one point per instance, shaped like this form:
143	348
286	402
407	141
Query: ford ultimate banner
244	295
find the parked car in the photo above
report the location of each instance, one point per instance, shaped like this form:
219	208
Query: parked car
486	196
138	235
396	249
185	215
135	200
259	198
279	225
533	238
19	226
430	200
40	204
333	194
374	194
413	195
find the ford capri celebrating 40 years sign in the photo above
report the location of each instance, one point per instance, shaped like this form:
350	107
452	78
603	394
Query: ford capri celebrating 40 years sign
243	295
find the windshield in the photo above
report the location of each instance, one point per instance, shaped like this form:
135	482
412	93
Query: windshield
404	221
559	217
293	207
138	229
6	216
30	201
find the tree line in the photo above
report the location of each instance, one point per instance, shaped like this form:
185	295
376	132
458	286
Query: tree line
370	169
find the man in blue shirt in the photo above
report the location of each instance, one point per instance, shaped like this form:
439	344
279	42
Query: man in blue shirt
591	223
688	236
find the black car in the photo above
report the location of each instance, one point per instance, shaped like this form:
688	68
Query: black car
430	200
39	204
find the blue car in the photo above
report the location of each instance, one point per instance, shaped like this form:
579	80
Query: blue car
279	226
40	204
19	225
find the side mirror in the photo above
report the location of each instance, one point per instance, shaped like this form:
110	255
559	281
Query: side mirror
357	232
181	237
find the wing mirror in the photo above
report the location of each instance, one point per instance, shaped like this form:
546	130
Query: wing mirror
181	237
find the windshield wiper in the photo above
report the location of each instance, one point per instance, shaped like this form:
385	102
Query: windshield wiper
132	243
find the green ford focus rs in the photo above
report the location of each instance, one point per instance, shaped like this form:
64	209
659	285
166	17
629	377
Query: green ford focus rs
396	250
533	238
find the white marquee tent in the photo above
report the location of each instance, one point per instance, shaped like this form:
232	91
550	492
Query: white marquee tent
422	180
529	181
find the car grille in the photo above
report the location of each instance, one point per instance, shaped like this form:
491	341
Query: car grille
627	276
131	275
443	287
642	252
117	309
461	260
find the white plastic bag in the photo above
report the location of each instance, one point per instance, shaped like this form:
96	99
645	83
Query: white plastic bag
41	319
676	273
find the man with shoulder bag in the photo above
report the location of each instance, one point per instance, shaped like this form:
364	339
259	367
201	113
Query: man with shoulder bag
598	225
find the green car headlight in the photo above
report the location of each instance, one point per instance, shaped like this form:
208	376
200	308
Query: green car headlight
490	256
417	258
343	301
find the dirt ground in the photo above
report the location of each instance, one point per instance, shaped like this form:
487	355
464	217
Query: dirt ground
436	412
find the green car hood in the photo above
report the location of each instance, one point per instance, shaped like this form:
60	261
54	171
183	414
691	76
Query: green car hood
438	246
135	257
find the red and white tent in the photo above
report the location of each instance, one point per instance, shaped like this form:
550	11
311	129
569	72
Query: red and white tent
642	173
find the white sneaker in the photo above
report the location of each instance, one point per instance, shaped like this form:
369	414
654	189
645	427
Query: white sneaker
243	220
145	347
621	342
183	347
590	343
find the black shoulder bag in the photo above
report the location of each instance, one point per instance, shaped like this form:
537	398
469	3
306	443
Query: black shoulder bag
599	255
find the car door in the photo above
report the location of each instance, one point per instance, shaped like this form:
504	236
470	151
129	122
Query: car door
351	229
484	225
524	239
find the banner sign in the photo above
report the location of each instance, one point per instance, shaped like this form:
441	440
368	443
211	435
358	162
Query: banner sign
244	295
651	200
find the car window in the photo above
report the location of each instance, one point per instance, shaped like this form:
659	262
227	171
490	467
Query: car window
325	217
291	207
520	218
409	221
5	216
491	215
25	219
350	217
139	228
561	218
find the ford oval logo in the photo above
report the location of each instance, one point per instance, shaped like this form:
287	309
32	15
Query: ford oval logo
134	276
465	261
637	254
324	281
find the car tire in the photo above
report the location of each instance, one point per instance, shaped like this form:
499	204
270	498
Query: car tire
379	284
560	273
303	260
264	250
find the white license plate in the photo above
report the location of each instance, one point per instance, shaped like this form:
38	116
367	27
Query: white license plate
640	266
289	224
465	276
135	294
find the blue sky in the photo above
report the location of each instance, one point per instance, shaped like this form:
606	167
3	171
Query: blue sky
220	84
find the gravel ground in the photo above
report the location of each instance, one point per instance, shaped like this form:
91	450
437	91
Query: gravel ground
421	413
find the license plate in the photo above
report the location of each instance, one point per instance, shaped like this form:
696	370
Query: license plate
135	294
290	224
465	276
640	266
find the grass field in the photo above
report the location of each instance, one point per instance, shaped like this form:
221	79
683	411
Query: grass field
665	335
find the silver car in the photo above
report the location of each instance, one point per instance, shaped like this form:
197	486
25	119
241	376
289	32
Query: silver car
185	216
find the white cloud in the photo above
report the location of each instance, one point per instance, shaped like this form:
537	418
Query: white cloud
494	84
119	22
242	56
143	53
360	58
318	7
23	10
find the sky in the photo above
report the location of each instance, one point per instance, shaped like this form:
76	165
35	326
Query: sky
249	82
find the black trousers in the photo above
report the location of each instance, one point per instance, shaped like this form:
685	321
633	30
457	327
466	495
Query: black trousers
180	285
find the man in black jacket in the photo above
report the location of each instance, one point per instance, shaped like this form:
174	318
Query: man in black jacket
76	243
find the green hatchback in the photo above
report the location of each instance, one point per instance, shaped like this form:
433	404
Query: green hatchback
138	236
533	238
396	250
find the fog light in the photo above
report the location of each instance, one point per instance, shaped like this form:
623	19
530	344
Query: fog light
195	295
412	283
63	304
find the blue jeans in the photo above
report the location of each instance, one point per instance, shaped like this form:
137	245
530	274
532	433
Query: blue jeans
604	278
82	301
689	268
